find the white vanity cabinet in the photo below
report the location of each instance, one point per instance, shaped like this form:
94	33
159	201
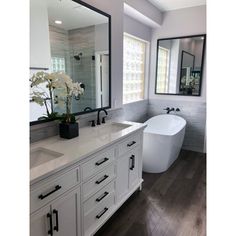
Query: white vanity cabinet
55	205
61	217
129	161
79	200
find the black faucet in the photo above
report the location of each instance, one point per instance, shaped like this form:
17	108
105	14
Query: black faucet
98	117
169	110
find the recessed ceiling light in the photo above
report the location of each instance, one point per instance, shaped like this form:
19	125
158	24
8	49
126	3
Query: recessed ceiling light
59	22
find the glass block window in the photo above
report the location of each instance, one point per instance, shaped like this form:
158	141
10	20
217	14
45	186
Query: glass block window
163	70
58	64
133	69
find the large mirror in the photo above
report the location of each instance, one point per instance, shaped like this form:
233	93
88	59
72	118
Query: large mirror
72	38
180	65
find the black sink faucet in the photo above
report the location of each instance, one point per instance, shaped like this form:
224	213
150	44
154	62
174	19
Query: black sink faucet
169	110
98	117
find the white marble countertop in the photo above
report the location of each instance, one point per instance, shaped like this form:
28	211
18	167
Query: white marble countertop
89	141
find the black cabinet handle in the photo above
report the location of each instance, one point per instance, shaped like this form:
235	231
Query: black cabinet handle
131	144
102	179
50	231
57	187
56	227
132	158
101	213
101	161
101	197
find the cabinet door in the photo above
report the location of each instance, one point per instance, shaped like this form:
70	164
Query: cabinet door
122	178
40	222
134	159
66	215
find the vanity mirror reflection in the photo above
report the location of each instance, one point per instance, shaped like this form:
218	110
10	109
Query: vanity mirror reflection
74	38
180	65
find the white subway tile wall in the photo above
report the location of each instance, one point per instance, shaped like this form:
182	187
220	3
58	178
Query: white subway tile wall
195	115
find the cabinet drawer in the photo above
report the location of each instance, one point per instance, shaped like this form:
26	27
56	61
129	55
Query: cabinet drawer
98	198
100	214
98	182
51	188
97	163
129	144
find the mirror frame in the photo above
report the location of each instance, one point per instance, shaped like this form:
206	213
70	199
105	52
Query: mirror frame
109	49
202	63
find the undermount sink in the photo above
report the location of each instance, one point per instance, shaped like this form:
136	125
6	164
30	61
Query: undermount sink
41	155
115	127
112	128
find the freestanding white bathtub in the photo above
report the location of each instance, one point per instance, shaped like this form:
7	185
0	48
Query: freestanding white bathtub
163	139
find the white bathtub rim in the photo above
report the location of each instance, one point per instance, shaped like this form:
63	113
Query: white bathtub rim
147	131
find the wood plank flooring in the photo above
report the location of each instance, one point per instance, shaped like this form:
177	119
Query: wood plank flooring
172	203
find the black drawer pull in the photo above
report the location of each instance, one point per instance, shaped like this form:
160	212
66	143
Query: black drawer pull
103	212
102	179
131	144
50	231
56	227
132	158
101	197
57	187
101	161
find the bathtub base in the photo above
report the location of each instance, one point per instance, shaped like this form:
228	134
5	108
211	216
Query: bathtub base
160	151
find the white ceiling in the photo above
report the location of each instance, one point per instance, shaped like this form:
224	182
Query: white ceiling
169	5
72	15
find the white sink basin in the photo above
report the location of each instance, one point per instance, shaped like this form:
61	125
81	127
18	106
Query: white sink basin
111	128
41	155
114	127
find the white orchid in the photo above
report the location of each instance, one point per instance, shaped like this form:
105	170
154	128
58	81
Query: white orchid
61	90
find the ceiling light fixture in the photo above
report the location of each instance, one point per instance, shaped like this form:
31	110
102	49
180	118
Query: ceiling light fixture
59	22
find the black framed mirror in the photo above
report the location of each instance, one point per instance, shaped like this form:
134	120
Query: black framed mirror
73	38
179	65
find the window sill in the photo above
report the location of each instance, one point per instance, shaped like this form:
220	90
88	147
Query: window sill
135	102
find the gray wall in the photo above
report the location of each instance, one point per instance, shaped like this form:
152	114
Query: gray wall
136	28
193	109
135	111
115	9
188	21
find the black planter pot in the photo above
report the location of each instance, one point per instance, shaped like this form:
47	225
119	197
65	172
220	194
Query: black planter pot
68	130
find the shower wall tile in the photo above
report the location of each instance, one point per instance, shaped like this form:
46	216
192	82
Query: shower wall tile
195	115
82	40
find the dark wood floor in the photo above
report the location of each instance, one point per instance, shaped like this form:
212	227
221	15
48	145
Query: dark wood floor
171	204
